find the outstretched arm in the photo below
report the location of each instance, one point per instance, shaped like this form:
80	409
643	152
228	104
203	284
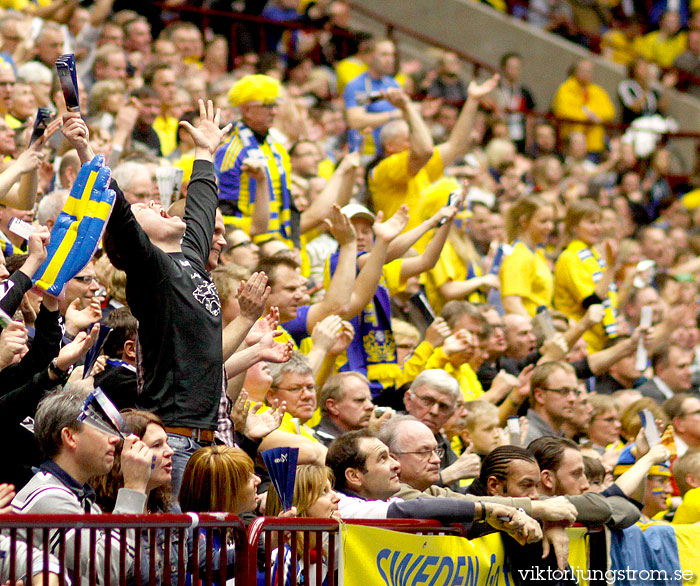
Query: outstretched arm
368	279
421	141
337	191
339	291
426	261
458	143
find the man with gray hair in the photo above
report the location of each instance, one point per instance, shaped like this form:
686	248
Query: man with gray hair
39	77
293	384
50	206
135	181
74	452
414	446
346	405
431	399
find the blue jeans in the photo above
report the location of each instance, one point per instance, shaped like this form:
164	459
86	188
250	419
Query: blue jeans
183	447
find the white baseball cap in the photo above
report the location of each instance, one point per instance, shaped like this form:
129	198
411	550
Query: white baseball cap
355	210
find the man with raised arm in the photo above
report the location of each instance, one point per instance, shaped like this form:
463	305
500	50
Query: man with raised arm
171	295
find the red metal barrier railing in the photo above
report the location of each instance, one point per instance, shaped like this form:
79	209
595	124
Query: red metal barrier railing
205	561
272	533
158	537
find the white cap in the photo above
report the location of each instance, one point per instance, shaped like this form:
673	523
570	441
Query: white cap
355	210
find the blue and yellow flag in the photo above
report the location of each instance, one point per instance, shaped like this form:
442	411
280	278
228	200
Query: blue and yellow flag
392	558
78	228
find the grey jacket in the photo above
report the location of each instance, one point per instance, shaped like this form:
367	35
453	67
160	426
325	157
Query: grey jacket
46	494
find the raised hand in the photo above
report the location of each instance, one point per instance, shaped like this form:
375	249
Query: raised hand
390	229
36	246
437	332
264	325
252	296
29	160
13	344
79	347
76	131
78	319
207	136
340	226
480	90
325	332
343	339
255	168
259	424
594	314
136	462
398	98
271	351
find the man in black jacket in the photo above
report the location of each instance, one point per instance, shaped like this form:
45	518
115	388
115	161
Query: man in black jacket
171	295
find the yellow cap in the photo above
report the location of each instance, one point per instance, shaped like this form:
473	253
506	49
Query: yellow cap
254	88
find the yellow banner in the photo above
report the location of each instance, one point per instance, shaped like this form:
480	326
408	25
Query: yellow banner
382	557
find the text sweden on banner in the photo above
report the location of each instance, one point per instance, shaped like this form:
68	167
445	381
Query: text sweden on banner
382	557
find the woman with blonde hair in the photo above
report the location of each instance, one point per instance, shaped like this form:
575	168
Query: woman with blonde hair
583	277
526	278
219	479
314	497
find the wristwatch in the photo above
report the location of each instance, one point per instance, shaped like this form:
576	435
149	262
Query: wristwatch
62	375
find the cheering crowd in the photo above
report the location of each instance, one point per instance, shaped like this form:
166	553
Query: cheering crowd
453	310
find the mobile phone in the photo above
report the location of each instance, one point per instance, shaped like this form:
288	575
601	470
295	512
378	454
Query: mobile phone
67	75
514	431
452	200
43	117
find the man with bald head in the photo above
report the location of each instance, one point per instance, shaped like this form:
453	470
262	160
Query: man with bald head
520	339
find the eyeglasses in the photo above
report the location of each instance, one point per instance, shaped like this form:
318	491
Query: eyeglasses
566	391
244	243
301	389
426	453
430	402
85	279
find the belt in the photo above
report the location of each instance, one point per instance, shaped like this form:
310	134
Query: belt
198	435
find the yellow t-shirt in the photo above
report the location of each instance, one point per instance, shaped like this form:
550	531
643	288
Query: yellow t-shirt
622	47
573	282
166	129
390	184
689	510
526	274
663	52
569	102
292	424
449	267
347	70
